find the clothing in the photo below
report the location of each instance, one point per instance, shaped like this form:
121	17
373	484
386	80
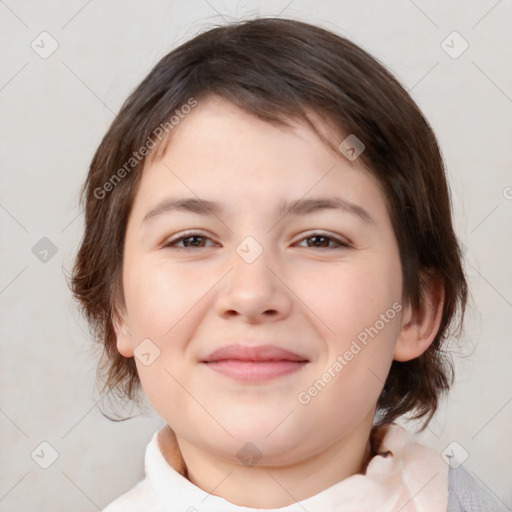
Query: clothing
466	495
403	476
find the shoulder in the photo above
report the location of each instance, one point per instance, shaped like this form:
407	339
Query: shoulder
140	497
466	494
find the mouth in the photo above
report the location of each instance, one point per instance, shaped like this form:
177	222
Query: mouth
254	363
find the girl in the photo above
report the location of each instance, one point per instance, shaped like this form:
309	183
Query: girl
269	252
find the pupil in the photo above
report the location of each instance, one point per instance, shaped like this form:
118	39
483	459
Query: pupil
323	238
193	238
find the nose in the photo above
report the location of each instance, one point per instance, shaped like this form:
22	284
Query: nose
255	290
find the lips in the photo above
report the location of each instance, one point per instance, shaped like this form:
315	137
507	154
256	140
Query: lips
259	353
254	363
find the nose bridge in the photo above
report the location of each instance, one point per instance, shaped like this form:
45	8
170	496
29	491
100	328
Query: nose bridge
250	249
250	261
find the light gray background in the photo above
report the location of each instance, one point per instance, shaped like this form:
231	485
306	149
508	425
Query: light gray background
54	113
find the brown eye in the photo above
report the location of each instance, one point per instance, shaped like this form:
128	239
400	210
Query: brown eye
318	241
321	241
190	241
193	241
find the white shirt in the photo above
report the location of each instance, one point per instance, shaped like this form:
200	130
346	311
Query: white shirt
412	478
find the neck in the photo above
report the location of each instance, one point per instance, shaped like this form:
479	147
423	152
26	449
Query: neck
262	486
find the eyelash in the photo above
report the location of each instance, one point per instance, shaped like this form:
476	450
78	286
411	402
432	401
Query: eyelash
171	244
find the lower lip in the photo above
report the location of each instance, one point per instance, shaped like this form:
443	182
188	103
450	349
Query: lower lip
255	370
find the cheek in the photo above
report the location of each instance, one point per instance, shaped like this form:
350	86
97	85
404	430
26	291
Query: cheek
359	308
350	297
349	398
347	386
164	305
157	298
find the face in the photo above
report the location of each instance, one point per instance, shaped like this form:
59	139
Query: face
323	283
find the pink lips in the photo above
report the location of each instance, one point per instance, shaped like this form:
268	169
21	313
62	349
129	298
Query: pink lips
254	363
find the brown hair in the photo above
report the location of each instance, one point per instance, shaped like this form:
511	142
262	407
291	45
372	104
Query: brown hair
279	70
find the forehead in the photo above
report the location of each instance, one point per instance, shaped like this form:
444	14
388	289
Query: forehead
219	151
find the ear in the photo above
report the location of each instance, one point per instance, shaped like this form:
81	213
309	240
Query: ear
123	336
420	326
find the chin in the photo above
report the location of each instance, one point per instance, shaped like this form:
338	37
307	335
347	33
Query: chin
250	448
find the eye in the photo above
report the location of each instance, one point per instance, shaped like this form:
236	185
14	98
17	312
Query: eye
322	241
196	240
191	240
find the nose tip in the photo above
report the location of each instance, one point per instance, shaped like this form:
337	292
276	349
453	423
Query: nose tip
251	289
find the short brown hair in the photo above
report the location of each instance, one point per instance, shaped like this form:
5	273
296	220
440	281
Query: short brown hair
278	70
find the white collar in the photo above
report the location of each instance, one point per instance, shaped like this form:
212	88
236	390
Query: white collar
411	479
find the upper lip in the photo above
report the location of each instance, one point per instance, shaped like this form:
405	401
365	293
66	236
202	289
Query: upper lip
253	353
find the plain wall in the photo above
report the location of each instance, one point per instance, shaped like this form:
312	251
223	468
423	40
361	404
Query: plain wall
54	112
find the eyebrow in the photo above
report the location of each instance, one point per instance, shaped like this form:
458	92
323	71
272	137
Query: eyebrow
298	207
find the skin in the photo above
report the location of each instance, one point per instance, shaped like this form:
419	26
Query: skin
305	294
